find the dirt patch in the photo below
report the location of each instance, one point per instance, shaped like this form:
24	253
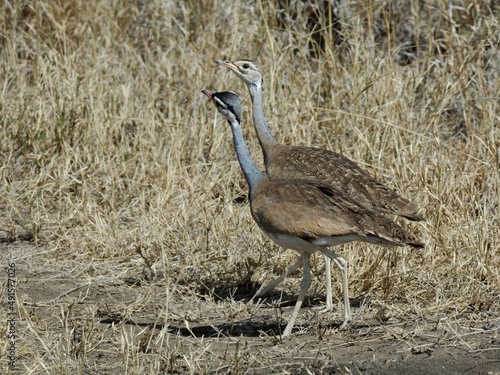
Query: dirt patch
105	320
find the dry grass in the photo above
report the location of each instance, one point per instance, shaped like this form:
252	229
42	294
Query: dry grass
123	177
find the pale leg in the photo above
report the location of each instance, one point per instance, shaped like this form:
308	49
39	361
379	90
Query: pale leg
328	277
304	286
342	265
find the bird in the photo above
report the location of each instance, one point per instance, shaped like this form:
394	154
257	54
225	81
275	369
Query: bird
297	162
307	216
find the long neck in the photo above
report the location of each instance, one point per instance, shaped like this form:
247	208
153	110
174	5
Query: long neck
252	174
265	136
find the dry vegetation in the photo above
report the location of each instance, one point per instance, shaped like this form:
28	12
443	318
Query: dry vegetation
124	210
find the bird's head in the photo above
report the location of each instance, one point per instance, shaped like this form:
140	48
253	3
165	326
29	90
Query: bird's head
227	103
246	70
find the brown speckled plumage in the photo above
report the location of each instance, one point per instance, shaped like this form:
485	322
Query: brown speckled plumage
332	168
311	210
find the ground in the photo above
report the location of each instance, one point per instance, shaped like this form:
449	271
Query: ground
54	297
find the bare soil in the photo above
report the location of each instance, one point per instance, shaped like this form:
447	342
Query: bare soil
52	294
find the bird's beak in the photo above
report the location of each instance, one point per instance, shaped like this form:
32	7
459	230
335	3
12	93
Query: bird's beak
227	64
208	93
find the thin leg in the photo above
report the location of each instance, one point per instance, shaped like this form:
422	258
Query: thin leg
264	289
342	265
328	277
304	286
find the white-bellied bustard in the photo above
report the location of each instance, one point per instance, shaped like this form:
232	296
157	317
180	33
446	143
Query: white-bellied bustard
296	162
306	216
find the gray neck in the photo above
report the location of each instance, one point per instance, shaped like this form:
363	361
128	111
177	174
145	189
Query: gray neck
252	174
263	133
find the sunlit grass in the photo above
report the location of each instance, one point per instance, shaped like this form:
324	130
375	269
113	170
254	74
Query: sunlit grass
114	164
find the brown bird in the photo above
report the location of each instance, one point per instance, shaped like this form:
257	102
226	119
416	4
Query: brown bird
331	168
307	216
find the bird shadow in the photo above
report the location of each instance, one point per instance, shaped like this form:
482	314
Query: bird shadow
260	325
245	328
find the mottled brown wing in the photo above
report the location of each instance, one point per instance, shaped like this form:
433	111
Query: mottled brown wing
306	209
293	162
311	210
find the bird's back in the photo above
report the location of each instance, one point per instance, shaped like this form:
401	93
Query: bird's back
295	162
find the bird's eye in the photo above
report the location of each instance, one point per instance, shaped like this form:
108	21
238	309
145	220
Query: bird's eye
246	66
